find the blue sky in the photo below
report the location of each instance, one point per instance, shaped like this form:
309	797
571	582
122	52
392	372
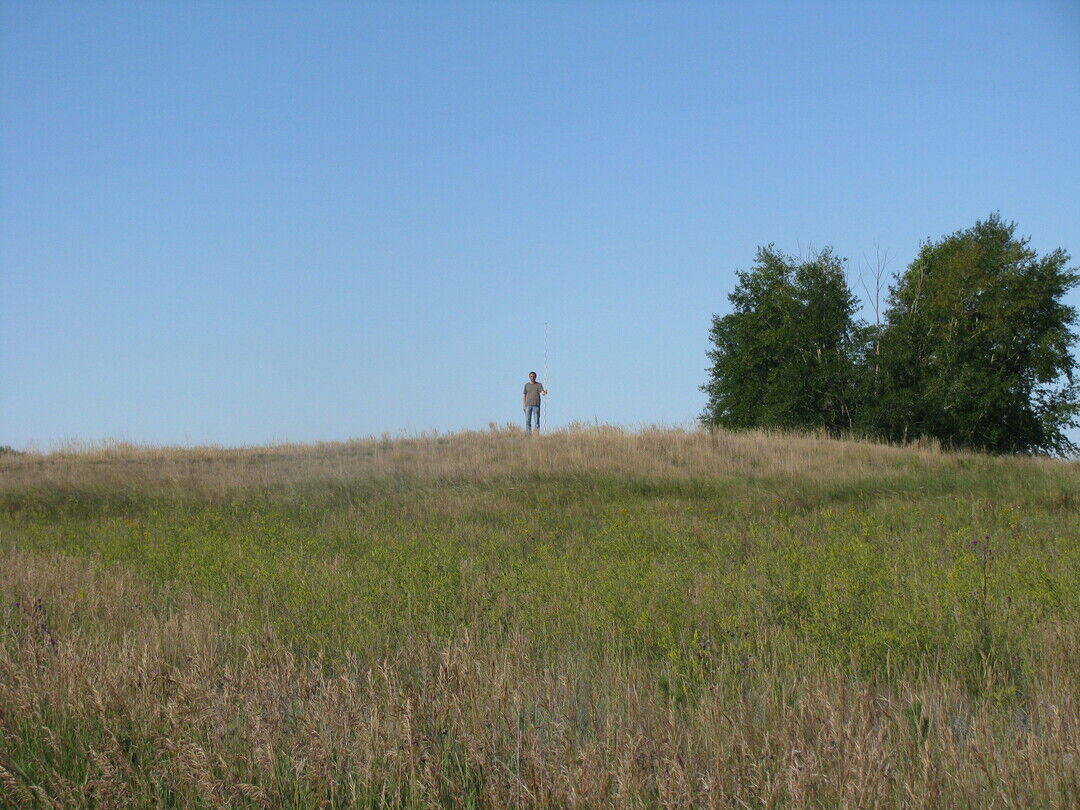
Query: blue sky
250	222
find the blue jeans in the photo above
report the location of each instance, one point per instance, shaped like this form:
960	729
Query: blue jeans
530	412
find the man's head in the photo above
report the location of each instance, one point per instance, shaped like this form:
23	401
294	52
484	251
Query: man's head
532	376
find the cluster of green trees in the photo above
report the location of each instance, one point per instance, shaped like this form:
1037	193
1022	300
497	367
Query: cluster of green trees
973	349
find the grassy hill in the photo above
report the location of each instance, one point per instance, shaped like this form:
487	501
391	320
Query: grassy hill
590	618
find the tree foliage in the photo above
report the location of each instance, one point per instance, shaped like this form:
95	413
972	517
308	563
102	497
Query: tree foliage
974	349
784	356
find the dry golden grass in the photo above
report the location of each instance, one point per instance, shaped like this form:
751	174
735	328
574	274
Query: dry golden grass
119	690
499	453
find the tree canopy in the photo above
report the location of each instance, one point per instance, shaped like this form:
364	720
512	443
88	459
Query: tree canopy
784	355
974	350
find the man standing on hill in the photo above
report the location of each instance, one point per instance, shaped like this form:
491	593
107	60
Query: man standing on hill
530	402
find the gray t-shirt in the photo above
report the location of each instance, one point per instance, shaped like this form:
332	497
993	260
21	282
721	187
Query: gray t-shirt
532	393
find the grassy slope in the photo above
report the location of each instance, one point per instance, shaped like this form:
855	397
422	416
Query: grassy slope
586	618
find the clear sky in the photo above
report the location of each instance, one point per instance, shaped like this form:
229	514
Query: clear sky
245	222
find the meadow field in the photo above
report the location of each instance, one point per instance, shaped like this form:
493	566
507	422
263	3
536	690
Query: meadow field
591	618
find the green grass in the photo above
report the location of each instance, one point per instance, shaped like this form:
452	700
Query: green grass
952	569
875	574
